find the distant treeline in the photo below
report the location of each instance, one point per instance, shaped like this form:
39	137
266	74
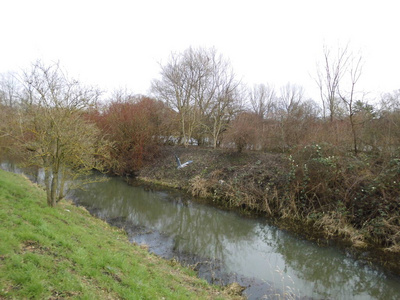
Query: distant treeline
199	101
343	157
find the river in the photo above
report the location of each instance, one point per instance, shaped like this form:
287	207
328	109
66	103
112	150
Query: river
226	247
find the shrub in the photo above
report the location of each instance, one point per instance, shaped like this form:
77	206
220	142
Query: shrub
136	127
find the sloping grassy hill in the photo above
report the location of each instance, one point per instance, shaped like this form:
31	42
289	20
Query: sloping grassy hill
63	252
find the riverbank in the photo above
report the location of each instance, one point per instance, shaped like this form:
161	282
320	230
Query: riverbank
323	197
64	252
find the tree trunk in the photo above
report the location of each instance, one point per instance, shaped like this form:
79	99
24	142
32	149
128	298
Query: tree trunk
53	192
47	179
353	131
62	186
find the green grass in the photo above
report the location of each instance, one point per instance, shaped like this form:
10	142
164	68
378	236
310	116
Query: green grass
63	252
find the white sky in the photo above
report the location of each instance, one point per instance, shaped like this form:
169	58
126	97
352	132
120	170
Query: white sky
118	44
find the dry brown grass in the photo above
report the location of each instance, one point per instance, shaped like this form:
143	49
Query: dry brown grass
199	187
334	224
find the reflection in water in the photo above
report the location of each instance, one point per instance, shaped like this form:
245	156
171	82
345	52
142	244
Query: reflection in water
225	247
194	229
335	274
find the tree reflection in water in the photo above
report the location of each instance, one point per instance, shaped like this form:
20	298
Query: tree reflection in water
225	247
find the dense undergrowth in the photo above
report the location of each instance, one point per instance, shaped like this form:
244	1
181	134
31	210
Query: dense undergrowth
315	190
64	253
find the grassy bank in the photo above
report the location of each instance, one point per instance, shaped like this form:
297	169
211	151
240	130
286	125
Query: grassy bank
316	191
63	252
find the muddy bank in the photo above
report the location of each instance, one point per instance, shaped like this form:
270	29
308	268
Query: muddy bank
271	185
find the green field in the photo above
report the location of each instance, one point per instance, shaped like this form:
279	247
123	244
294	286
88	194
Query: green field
64	252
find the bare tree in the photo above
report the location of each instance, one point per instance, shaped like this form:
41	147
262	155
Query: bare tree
182	87
262	99
390	102
224	106
348	95
198	84
290	98
289	112
329	76
9	89
389	116
55	135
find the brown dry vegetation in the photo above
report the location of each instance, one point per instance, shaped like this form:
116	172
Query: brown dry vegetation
311	192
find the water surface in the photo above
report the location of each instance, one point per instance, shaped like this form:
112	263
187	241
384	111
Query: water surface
226	247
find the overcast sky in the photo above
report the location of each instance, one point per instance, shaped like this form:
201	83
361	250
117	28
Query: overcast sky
118	44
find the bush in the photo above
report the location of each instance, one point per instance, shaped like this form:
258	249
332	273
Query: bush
135	127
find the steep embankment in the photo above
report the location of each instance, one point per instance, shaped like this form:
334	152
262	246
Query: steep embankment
323	196
63	252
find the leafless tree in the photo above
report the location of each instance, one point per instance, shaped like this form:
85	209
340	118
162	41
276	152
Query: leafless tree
181	87
289	112
9	89
390	102
198	84
223	109
348	95
291	96
329	76
389	115
54	134
262	99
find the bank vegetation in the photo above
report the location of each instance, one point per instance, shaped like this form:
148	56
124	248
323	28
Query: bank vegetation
333	167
